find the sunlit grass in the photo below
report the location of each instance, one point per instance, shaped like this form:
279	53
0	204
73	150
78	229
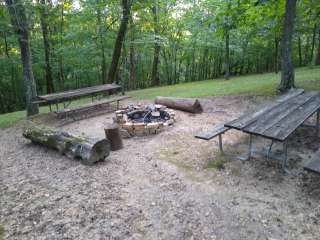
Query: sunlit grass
261	84
258	84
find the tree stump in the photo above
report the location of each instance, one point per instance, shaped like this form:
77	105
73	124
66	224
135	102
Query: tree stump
87	150
113	135
183	104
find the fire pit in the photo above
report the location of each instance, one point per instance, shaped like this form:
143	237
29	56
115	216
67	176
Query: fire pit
144	120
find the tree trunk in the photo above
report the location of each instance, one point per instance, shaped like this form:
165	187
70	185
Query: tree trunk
20	25
126	6
317	62
88	150
300	51
101	43
61	73
314	34
46	44
287	70
155	80
276	55
113	135
227	55
132	58
184	104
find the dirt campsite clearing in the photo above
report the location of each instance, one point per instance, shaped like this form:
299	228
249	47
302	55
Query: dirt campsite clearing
165	186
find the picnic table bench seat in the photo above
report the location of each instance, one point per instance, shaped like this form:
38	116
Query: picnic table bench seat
90	106
314	164
212	133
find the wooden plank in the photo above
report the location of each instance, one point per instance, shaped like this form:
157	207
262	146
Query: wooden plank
314	165
211	133
249	118
284	128
278	113
79	92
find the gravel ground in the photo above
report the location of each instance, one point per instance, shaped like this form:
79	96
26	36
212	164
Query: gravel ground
159	187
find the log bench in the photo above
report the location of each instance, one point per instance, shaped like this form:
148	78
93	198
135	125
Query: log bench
212	133
64	113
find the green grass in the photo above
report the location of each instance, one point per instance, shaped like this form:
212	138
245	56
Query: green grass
217	163
261	84
258	84
1	232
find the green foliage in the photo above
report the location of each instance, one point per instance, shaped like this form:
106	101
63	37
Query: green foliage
191	36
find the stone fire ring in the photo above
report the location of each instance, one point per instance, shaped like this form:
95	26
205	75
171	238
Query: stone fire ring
131	127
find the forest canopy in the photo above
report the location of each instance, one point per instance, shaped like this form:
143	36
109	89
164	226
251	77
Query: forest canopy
73	44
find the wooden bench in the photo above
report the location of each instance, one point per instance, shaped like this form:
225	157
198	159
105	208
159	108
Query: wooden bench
314	164
211	133
90	106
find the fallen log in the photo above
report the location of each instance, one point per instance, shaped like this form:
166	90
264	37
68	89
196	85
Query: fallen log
112	132
184	104
87	150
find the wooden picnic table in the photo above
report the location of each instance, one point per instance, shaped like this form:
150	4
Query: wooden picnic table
66	98
71	94
278	119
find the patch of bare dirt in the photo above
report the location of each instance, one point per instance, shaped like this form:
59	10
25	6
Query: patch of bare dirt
159	187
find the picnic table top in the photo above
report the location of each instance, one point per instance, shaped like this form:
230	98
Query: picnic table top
278	119
61	96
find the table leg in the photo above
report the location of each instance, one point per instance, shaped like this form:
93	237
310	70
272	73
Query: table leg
269	150
285	157
249	150
318	123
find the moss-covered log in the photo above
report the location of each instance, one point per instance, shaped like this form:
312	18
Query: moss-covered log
87	150
183	104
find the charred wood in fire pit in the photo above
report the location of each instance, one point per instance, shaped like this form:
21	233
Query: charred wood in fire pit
184	104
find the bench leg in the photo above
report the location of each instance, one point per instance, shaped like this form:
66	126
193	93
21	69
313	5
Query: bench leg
318	123
220	144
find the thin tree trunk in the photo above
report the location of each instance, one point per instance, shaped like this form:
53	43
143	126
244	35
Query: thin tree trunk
300	51
20	25
155	81
317	62
287	70
132	58
276	55
61	73
46	44
314	34
126	7
101	43
307	52
227	55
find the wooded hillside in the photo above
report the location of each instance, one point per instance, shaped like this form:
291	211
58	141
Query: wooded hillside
79	43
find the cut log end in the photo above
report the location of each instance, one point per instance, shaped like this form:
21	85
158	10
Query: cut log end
114	136
99	151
